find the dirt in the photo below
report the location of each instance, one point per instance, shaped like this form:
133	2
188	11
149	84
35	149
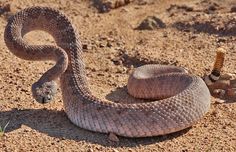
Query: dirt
112	48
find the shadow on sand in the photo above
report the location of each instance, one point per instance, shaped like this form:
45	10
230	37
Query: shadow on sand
56	124
207	27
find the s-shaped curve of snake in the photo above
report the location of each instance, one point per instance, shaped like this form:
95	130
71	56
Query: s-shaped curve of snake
178	101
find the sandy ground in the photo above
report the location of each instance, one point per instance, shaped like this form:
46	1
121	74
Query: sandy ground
113	47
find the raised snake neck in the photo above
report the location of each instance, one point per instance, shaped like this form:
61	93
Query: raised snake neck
188	98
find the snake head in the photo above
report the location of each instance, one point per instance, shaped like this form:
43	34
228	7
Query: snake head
44	92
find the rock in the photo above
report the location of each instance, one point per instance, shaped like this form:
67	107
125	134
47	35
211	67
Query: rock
231	92
109	44
212	8
142	2
233	9
6	8
115	150
121	70
90	150
151	23
130	150
102	45
180	7
216	113
117	61
221	40
85	46
26	128
219	101
227	76
186	8
124	10
104	6
219	92
165	34
113	137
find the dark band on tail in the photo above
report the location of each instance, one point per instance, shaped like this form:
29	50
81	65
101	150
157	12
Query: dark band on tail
215	73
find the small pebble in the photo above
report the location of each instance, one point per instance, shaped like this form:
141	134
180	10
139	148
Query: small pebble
216	113
90	150
142	2
101	45
233	9
130	150
115	150
231	92
113	137
124	10
6	8
219	92
117	61
109	44
151	23
219	101
212	8
227	76
85	46
165	34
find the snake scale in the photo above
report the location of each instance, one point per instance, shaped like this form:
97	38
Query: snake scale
179	99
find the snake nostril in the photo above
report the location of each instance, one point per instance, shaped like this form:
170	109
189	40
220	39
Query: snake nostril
49	98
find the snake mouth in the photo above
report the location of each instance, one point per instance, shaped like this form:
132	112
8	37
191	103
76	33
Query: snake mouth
43	99
46	100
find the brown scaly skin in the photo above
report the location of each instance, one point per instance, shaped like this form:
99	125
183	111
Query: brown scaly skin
187	98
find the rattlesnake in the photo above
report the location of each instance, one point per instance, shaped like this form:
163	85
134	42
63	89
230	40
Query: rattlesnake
179	99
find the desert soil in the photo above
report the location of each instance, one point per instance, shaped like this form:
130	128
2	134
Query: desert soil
113	46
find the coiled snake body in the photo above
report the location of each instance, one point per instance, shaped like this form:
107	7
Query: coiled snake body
180	99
